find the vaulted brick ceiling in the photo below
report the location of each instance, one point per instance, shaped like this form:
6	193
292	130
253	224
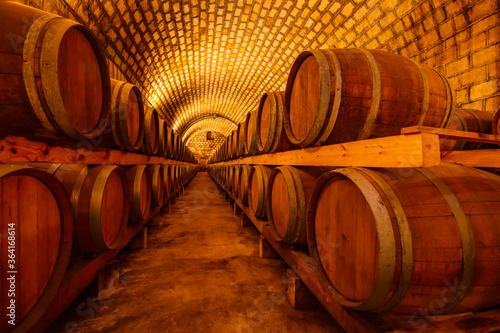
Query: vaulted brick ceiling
195	59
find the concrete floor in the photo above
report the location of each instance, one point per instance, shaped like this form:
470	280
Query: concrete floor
201	272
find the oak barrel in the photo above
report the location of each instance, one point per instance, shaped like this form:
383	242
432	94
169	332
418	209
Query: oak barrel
250	143
37	223
44	84
139	180
240	140
271	136
167	180
235	177
126	122
468	120
288	192
257	189
164	144
151	131
340	95
157	184
410	241
100	200
244	173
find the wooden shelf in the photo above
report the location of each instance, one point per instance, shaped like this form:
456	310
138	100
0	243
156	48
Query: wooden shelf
16	149
401	151
80	275
418	147
357	321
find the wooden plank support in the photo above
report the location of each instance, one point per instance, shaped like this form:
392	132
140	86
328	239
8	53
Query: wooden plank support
481	158
140	241
236	209
401	151
245	221
297	293
266	250
15	149
156	220
453	134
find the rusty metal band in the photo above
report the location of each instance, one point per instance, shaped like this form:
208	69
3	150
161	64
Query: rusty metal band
53	168
405	237
425	85
376	95
450	102
292	199
386	239
29	70
334	112
466	236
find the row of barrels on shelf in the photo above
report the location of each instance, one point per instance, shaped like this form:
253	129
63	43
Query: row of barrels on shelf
342	95
59	82
409	241
51	213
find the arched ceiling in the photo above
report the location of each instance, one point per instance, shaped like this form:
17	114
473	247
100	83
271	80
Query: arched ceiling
197	58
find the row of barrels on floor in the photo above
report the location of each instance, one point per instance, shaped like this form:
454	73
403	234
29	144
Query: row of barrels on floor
342	95
52	215
59	81
409	241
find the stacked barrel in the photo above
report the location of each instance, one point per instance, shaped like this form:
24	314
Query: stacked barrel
54	214
407	241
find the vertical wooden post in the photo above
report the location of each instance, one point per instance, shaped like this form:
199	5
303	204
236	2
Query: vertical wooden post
245	221
236	209
140	241
298	294
266	250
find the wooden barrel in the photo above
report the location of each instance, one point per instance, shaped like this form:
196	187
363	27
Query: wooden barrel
235	180
45	85
468	120
257	190
240	140
126	122
270	135
100	200
287	194
171	142
175	145
163	145
250	142
151	131
407	240
139	180
244	172
167	180
36	223
157	184
341	95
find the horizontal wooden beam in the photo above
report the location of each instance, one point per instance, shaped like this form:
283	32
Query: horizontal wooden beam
16	149
453	134
481	158
402	151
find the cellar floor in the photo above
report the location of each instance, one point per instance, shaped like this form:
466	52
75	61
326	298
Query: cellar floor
200	272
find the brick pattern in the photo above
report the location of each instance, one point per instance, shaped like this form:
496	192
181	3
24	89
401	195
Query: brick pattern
194	58
202	148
